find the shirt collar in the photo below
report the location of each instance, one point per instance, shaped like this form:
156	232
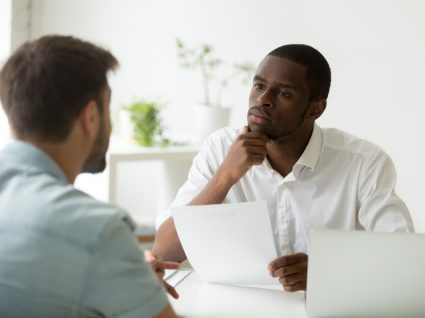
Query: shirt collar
311	153
309	157
34	158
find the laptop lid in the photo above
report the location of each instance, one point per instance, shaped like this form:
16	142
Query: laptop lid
365	274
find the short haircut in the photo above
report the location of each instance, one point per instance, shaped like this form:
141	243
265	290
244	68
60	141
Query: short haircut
318	70
46	83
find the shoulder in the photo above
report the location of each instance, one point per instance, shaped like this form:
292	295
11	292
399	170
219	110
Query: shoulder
217	144
341	141
65	214
90	221
223	136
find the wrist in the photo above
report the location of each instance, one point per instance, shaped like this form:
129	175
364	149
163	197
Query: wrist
224	180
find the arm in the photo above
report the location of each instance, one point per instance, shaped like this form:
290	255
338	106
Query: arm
118	281
380	208
247	150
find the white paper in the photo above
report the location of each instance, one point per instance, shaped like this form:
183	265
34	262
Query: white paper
228	243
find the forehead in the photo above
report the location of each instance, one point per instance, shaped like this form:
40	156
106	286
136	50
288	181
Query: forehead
281	70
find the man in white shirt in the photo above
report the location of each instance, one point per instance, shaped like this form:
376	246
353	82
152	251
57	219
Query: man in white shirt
310	177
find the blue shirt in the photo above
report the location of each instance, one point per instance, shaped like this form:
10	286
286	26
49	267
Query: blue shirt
63	253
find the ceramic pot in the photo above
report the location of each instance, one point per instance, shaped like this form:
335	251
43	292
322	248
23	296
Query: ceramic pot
208	119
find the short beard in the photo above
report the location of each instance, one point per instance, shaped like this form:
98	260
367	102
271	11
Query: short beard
282	138
96	162
94	165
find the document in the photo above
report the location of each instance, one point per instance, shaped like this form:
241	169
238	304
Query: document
228	243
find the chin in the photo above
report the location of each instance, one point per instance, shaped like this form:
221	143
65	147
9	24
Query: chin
255	127
92	166
261	129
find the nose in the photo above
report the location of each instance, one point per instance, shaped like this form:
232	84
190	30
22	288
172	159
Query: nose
264	99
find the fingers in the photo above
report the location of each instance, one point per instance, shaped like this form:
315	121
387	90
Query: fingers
149	257
285	271
159	268
302	285
287	260
171	290
167	265
295	281
291	271
245	130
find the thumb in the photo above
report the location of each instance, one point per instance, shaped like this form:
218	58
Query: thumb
149	257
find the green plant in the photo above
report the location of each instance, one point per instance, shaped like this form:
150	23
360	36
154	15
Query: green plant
203	58
147	123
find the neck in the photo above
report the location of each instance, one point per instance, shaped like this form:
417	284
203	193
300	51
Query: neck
283	154
64	155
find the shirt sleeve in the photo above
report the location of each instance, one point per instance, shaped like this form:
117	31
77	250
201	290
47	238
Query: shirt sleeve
119	283
380	207
204	165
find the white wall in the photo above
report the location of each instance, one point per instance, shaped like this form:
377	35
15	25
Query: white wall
375	49
5	37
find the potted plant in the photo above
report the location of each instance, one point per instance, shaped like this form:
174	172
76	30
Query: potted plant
210	115
147	123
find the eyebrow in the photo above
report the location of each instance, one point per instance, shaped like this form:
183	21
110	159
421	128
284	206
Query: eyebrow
283	85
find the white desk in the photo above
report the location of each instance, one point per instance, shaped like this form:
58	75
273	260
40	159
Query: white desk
202	300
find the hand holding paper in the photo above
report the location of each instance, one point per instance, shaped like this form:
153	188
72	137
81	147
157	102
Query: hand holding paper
228	243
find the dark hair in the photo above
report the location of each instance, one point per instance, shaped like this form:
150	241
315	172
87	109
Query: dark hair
46	83
318	70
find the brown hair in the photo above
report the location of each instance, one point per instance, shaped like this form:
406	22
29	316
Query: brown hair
46	83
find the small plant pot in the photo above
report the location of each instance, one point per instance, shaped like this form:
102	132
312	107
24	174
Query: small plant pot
208	119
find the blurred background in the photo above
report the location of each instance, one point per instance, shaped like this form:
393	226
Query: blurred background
375	48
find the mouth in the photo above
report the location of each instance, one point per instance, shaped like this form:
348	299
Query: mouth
257	116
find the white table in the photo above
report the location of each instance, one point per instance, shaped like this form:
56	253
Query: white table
203	300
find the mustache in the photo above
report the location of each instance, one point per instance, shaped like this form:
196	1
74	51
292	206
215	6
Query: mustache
259	111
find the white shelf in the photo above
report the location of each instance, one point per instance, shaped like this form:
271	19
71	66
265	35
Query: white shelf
144	181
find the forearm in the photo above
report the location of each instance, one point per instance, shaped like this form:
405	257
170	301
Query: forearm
167	244
215	191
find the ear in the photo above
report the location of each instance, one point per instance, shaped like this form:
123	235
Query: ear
89	119
316	109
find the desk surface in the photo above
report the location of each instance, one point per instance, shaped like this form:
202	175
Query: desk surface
202	300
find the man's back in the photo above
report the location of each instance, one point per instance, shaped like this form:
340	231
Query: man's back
62	253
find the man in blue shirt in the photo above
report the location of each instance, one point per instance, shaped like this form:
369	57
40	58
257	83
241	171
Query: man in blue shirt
63	253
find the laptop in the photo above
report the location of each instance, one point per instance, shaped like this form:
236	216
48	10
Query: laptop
365	274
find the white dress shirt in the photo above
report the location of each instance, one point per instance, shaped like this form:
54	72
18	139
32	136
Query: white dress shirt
339	182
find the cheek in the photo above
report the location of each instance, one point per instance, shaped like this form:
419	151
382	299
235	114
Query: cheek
108	125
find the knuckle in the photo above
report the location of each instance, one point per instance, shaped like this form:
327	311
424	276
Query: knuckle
288	288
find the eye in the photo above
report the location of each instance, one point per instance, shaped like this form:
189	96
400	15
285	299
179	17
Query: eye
284	93
259	86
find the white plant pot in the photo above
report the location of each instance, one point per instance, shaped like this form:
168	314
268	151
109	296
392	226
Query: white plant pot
207	120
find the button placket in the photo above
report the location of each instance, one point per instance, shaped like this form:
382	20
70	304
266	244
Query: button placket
282	218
